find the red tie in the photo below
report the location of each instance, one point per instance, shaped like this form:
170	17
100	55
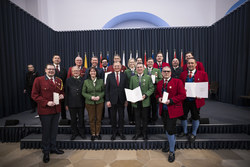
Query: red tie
165	83
57	69
117	79
190	74
51	80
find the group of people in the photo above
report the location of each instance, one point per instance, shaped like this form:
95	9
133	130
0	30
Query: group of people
82	88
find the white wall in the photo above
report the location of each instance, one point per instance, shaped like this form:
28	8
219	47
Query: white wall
65	15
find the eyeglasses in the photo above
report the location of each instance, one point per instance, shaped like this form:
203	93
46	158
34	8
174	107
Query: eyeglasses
166	71
50	69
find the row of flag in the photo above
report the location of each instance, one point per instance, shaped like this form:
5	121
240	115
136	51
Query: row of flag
130	56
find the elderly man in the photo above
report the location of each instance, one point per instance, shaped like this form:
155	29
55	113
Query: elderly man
116	99
78	62
176	70
192	104
160	64
152	116
172	108
61	73
94	63
199	65
31	75
141	108
74	102
117	58
45	88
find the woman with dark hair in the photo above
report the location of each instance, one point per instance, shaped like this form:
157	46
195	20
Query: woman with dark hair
93	91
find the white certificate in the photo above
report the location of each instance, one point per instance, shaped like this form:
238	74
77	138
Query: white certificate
197	89
164	97
56	98
134	95
153	78
105	77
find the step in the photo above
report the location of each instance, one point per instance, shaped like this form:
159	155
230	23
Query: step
157	141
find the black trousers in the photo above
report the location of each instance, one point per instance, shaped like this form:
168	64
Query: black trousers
152	116
63	111
117	108
49	131
131	112
168	123
141	118
190	106
32	102
77	121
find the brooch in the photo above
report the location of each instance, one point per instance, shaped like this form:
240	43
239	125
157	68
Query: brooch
170	87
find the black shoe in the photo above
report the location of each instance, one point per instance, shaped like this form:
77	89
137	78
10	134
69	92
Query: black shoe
171	157
99	137
135	137
56	151
73	137
192	138
182	134
145	137
83	136
92	137
46	157
122	137
113	137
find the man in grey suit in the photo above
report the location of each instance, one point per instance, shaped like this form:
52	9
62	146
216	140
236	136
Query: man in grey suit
116	99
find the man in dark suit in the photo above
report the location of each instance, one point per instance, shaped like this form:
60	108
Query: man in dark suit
75	103
176	70
61	73
94	63
192	104
43	90
116	98
31	75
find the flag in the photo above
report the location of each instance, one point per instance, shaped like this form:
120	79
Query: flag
85	61
174	53
167	57
145	59
182	63
136	56
153	55
78	54
100	59
130	55
93	54
108	57
123	58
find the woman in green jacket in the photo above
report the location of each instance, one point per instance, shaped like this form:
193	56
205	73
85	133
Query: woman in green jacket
93	91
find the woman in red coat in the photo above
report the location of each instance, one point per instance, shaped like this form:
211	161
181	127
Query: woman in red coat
172	108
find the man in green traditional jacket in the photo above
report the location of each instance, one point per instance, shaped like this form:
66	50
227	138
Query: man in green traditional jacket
156	76
142	107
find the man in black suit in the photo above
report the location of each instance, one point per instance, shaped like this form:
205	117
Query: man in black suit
94	63
176	69
116	99
74	103
62	74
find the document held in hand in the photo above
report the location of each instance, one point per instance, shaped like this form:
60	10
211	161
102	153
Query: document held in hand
105	77
197	89
56	98
164	97
133	95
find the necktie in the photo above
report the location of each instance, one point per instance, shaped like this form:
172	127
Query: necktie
190	74
105	69
140	80
117	79
149	71
57	69
51	80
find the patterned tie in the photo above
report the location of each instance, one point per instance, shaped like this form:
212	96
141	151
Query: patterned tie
57	69
140	80
190	74
117	78
149	71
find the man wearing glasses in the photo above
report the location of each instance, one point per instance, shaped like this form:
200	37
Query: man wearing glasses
170	109
49	108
